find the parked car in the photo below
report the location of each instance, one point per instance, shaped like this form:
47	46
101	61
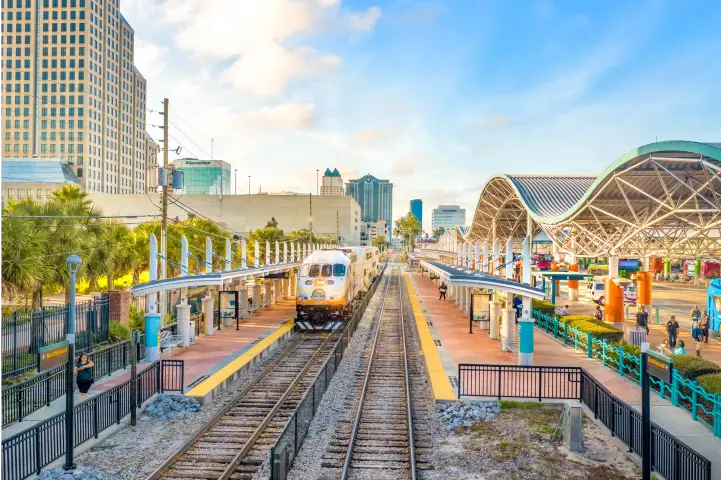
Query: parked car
596	291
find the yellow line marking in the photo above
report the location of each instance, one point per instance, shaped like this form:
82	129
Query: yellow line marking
442	389
212	382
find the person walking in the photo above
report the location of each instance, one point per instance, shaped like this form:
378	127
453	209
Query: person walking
443	289
681	349
703	325
672	328
642	319
84	374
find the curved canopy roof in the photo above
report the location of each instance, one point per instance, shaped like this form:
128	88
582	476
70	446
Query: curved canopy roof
652	199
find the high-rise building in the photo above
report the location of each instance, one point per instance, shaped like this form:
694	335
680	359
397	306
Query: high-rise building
370	230
152	149
71	91
374	196
417	210
448	216
204	177
332	183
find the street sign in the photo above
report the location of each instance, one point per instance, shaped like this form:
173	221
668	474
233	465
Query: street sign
53	355
659	366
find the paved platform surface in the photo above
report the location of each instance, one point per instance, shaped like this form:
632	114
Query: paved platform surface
205	357
450	327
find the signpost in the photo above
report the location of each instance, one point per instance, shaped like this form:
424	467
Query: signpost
53	356
661	367
135	340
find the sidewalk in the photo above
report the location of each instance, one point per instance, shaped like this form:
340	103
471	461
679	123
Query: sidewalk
450	326
206	356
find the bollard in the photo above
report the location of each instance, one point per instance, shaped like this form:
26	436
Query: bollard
625	315
658	316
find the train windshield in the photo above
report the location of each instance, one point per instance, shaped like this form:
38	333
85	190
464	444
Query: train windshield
326	270
339	270
316	270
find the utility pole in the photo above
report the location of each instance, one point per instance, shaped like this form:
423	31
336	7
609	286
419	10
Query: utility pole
236	181
164	222
248	184
317	188
212	144
337	230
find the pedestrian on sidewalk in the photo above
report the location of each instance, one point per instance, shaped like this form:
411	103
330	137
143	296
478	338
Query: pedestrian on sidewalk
703	325
695	316
681	349
672	327
84	373
564	311
443	289
598	314
642	319
664	348
698	337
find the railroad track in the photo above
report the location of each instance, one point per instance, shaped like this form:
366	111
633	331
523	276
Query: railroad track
235	443
379	441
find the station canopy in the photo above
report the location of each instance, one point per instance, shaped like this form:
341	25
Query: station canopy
661	199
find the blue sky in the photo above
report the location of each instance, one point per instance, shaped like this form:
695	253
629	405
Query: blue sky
435	96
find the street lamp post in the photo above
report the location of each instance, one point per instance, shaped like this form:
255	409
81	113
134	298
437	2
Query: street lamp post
73	262
236	181
317	188
248	184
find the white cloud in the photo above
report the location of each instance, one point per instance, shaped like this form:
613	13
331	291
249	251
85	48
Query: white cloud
285	115
365	137
149	57
408	165
261	37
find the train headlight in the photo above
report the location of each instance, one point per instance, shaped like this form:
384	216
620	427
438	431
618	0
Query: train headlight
309	282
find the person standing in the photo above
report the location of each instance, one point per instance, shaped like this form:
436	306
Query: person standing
695	317
681	349
642	319
443	289
84	373
672	327
598	314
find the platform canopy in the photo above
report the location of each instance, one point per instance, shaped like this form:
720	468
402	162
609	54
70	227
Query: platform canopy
215	279
459	277
562	275
661	199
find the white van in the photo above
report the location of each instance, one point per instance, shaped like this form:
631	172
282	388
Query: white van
596	290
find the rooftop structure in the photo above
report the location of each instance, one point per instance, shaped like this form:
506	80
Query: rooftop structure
36	179
659	199
332	183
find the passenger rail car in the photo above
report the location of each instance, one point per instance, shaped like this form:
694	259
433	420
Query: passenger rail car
330	282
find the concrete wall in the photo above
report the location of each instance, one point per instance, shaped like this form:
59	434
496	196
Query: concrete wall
243	213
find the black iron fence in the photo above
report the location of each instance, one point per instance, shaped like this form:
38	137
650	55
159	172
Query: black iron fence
23	333
671	458
28	452
19	401
288	444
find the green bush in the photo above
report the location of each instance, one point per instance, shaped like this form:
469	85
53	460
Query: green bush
691	367
137	320
597	328
118	332
543	306
711	382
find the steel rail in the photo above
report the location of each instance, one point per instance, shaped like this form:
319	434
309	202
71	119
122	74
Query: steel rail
411	446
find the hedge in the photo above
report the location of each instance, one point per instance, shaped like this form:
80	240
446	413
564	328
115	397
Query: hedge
691	367
543	306
711	382
599	329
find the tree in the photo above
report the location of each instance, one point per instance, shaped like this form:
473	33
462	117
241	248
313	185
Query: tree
379	241
438	231
270	234
272	223
408	229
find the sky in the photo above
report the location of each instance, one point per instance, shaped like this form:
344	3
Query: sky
434	96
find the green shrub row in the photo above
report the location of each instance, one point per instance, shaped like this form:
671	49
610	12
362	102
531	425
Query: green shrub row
544	307
692	367
600	330
711	382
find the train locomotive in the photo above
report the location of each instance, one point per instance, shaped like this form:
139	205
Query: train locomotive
330	282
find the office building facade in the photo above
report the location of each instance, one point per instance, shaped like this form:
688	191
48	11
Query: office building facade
71	91
204	177
371	230
374	196
448	216
417	210
332	183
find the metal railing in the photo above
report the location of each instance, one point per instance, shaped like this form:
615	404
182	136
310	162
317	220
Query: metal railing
291	439
23	333
671	458
686	393
28	452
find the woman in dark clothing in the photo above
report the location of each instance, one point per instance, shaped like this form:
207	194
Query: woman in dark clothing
84	374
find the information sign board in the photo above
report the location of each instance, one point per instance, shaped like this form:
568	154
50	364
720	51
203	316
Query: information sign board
53	355
659	366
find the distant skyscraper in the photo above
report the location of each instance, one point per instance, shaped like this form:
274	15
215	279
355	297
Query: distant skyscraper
374	196
332	183
71	91
417	210
448	216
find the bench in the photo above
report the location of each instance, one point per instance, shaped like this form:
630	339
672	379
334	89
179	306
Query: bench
168	340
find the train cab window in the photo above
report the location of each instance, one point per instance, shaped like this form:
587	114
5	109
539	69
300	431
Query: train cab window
326	270
314	270
339	270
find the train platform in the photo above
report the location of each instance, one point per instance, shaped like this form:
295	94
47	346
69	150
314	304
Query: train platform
204	358
449	327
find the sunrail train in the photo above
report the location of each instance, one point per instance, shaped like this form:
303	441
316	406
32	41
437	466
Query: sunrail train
330	281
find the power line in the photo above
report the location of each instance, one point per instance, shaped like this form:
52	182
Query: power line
85	217
59	254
